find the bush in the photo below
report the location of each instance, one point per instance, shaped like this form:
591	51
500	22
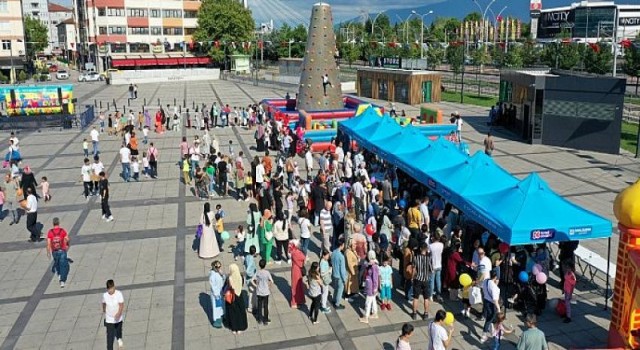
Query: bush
3	78
22	76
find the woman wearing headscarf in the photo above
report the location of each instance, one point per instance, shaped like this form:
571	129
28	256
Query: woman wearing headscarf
297	267
265	234
28	180
208	244
235	305
253	221
353	261
216	282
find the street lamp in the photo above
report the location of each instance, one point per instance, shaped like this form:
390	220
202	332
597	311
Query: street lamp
495	21
484	16
374	22
422	30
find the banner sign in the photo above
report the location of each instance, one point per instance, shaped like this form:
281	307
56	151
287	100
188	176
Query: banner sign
38	100
539	235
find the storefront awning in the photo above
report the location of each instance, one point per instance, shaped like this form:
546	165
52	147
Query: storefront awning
123	63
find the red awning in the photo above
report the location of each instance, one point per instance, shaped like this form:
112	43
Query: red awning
146	62
204	60
123	63
167	61
188	60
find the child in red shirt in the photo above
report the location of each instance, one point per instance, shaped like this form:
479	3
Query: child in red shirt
569	285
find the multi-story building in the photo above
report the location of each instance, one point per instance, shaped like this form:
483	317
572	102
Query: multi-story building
39	9
12	43
67	40
589	21
57	15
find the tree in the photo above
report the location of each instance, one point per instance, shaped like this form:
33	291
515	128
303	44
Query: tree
598	58
455	58
36	35
632	62
435	56
480	57
530	54
224	21
349	52
561	55
472	17
513	58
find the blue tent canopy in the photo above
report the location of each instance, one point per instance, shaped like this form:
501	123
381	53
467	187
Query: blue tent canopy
530	212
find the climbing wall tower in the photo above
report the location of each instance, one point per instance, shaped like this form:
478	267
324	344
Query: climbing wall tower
319	60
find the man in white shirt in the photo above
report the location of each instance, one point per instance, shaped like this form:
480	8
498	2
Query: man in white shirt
484	266
439	338
358	196
259	175
95	141
15	140
436	247
424	210
86	172
490	303
113	308
31	208
308	161
459	124
97	168
326	226
125	160
340	158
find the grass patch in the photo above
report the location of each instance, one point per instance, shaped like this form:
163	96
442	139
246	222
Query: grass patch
629	137
472	99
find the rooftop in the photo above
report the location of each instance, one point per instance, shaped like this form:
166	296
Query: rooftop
53	7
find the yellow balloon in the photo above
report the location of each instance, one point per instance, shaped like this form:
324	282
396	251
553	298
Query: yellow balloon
449	319
465	280
626	206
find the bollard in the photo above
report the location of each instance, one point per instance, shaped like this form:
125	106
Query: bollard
159	102
124	109
145	102
180	109
100	104
114	102
184	103
128	102
108	106
95	103
194	104
174	102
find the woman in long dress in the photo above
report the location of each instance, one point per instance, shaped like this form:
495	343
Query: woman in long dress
253	222
265	234
216	282
208	244
236	308
297	264
352	286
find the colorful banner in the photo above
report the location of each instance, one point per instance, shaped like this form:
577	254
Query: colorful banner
38	100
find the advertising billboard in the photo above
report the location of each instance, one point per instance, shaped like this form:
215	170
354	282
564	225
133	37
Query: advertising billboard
535	6
553	23
38	100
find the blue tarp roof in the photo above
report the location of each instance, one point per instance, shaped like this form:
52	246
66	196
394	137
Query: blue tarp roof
518	212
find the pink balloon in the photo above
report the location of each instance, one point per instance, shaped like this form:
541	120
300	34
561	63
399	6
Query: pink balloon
541	278
537	268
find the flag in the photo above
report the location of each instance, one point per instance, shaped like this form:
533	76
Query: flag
513	30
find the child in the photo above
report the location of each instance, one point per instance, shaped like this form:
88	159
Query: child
291	199
386	282
250	271
466	304
372	284
185	170
1	204
325	274
315	286
231	154
499	330
135	167
262	281
220	211
44	184
85	148
219	230
567	288
248	185
145	133
145	164
239	248
110	125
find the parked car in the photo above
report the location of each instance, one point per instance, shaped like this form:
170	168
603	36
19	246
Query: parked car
90	76
53	68
62	75
109	71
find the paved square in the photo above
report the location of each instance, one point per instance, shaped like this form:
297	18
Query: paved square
148	251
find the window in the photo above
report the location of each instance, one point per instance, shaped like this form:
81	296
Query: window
34	5
4	6
6	44
102	30
365	87
137	12
138	47
118	48
383	90
172	13
117	30
54	22
35	14
102	11
172	31
401	92
115	12
190	14
139	30
189	31
156	13
156	30
5	27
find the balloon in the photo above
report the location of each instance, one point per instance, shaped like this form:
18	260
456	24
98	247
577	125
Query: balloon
536	269
503	247
402	203
373	180
370	230
523	276
224	235
449	319
465	280
541	278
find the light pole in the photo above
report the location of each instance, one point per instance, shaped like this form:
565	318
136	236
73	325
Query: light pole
484	16
495	22
373	24
422	30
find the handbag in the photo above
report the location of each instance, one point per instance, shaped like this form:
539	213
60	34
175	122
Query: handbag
199	231
229	296
475	295
218	302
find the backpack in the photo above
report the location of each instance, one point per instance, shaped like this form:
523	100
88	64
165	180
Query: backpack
56	241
